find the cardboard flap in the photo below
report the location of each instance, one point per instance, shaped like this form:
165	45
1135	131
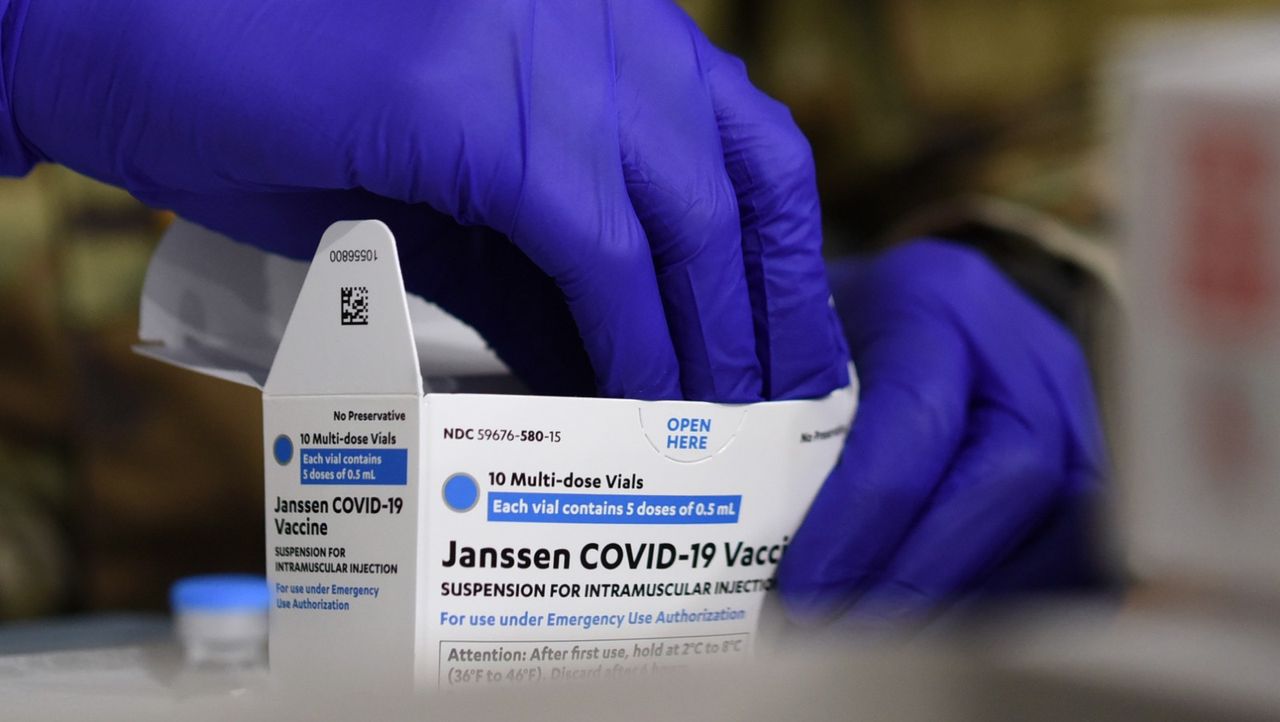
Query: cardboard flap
350	331
215	306
207	362
220	308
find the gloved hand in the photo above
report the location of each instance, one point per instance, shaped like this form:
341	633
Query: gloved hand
974	456
671	204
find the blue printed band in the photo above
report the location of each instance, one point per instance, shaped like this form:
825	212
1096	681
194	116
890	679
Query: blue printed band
389	467
537	507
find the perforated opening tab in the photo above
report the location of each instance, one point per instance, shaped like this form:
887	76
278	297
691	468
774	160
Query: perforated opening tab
688	431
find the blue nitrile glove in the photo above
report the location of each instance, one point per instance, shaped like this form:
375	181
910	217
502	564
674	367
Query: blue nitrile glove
672	205
974	456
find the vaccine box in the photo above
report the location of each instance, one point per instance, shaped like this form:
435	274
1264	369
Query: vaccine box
1198	113
417	536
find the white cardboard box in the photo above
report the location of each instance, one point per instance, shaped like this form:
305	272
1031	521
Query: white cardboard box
1198	110
456	539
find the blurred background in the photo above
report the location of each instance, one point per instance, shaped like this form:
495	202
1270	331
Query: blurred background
981	119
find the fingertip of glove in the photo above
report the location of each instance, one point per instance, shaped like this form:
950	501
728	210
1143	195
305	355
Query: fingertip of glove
808	600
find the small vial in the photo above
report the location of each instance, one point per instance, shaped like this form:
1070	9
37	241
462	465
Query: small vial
221	619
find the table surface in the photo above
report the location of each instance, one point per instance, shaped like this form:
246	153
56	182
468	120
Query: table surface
1058	665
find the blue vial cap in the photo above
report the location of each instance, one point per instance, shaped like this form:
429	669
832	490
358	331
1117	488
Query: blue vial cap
220	593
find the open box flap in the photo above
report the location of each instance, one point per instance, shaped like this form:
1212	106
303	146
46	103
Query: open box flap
220	308
350	332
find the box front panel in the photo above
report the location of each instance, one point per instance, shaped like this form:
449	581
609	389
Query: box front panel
589	539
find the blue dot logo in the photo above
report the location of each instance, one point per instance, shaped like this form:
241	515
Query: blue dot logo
461	492
282	449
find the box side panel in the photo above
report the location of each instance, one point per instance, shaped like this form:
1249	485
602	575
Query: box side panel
341	499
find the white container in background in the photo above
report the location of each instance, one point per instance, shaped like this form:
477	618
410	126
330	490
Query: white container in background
1197	110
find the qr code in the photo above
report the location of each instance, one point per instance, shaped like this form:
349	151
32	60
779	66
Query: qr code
355	306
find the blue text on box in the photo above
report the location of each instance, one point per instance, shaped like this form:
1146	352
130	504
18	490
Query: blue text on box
364	467
525	506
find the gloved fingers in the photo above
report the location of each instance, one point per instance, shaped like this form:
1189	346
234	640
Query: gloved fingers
798	340
502	115
1046	381
1064	365
913	405
960	287
1064	554
1001	485
675	175
520	312
1067	552
1021	455
479	276
574	217
1041	362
